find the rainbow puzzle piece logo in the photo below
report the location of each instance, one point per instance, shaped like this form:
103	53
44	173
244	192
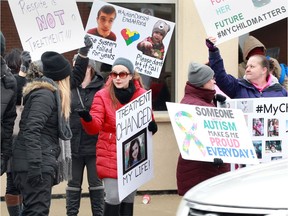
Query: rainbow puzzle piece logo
129	36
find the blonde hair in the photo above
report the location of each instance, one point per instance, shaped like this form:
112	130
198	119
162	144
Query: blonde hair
65	95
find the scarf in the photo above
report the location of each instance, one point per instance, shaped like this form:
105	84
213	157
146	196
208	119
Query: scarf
124	95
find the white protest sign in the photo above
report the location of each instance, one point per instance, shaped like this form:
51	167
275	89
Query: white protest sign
53	25
204	133
267	121
130	38
229	19
134	144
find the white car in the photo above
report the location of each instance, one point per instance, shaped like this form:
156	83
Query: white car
255	190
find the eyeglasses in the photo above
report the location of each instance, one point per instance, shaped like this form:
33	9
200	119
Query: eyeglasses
122	74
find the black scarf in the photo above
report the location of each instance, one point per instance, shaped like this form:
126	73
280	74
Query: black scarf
124	95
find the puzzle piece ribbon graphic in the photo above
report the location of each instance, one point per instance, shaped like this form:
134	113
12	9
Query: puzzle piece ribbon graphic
189	133
129	36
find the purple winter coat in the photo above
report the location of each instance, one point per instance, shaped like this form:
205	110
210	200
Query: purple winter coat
240	88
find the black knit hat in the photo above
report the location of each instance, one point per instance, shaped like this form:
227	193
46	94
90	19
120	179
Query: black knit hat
55	66
3	45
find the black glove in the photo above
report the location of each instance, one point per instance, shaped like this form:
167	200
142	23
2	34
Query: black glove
4	164
221	99
152	126
217	162
25	61
88	44
34	177
211	45
83	113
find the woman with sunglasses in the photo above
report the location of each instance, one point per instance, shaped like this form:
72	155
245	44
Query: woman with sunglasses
122	86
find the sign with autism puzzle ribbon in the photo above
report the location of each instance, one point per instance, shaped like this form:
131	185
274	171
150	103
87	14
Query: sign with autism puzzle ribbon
120	32
204	133
229	19
48	25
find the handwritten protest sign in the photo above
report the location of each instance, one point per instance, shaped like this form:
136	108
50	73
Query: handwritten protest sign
53	25
267	121
228	19
134	144
130	37
204	133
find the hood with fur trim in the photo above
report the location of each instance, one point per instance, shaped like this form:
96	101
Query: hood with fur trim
37	84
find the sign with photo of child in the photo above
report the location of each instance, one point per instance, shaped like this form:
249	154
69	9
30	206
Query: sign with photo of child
204	133
118	32
267	121
134	144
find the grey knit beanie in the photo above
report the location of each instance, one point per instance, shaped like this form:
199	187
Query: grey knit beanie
125	62
199	74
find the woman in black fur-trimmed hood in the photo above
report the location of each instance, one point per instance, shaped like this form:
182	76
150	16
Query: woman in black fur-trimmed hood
44	120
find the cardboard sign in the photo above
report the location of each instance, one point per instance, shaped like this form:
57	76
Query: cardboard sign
48	25
229	19
134	144
204	133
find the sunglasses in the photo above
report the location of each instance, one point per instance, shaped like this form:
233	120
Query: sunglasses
122	74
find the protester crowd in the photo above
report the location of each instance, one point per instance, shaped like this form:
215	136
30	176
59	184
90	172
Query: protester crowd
64	121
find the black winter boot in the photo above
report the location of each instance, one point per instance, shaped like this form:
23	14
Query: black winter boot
126	209
111	210
97	201
73	197
14	204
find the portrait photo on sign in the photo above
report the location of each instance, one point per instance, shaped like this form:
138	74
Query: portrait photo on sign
273	146
134	150
258	126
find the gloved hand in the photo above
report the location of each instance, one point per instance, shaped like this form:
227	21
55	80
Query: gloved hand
25	61
211	45
34	177
4	163
152	126
88	44
221	99
83	113
217	162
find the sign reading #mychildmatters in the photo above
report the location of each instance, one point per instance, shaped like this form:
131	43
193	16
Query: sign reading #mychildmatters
204	133
228	19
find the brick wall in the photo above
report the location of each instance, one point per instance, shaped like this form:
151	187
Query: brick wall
9	29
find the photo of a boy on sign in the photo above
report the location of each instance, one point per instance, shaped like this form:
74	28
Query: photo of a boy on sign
121	32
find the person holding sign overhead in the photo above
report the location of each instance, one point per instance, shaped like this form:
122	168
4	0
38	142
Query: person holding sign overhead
257	81
199	90
123	85
105	18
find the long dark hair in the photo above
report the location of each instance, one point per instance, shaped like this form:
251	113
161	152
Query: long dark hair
131	159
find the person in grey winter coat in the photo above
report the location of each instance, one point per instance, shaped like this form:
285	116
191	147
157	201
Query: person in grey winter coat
45	120
8	108
83	146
